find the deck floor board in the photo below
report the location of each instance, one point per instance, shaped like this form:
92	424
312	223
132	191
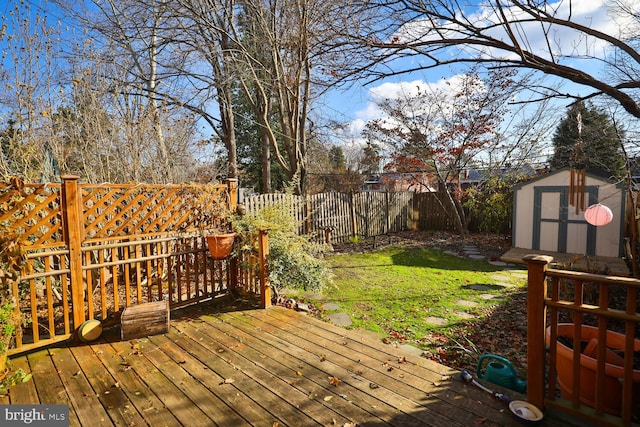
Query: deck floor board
251	367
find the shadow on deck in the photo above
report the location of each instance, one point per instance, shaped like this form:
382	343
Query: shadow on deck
252	367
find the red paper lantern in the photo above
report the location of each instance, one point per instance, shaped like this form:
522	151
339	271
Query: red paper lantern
598	215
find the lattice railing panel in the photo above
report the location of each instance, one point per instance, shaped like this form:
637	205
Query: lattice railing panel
95	250
133	210
32	210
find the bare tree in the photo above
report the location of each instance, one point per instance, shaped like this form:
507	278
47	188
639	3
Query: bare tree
557	39
30	81
132	33
276	54
106	134
80	101
206	38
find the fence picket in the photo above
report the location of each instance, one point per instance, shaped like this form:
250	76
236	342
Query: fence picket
351	215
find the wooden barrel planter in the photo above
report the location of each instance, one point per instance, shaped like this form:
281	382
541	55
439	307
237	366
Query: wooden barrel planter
220	245
613	367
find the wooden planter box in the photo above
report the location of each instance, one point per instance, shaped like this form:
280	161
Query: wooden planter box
143	320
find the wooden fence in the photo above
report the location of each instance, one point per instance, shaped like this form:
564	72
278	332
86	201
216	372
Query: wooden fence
358	215
96	249
590	325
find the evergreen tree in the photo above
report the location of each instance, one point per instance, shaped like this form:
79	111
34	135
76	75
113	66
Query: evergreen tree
336	158
597	145
251	160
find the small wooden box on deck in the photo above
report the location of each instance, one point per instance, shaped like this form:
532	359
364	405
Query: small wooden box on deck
143	320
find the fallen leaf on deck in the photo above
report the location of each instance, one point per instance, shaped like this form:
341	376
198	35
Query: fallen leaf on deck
402	359
228	381
479	420
298	373
328	398
373	386
334	381
135	346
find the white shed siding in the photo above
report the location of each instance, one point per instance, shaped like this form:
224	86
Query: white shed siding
570	235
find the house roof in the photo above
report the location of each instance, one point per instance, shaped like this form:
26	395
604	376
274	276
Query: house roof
479	175
597	174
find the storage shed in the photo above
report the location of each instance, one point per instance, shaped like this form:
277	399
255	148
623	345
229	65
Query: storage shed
543	219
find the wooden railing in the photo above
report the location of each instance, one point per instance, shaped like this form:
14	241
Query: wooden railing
583	343
95	250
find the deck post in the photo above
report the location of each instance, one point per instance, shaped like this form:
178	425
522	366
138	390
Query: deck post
72	216
263	253
536	318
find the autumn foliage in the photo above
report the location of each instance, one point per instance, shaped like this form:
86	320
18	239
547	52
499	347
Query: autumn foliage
445	130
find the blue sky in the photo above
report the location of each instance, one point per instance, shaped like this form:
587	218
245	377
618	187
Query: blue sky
355	106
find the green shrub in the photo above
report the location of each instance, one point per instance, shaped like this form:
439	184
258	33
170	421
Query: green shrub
13	261
491	204
294	260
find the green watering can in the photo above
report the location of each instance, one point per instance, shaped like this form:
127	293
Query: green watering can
500	371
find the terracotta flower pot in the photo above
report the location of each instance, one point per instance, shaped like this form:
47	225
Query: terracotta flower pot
220	245
613	367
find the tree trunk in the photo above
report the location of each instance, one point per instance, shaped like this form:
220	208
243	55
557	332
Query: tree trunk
265	160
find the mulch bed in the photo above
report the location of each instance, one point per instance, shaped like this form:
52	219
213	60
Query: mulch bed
491	245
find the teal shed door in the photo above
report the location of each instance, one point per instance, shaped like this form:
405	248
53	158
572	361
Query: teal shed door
557	227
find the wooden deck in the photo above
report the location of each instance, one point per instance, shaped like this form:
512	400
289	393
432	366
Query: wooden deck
615	266
252	367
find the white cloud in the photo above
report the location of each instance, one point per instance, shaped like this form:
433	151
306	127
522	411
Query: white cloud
396	90
596	14
541	39
356	126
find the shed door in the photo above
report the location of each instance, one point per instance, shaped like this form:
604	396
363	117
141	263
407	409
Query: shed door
556	225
